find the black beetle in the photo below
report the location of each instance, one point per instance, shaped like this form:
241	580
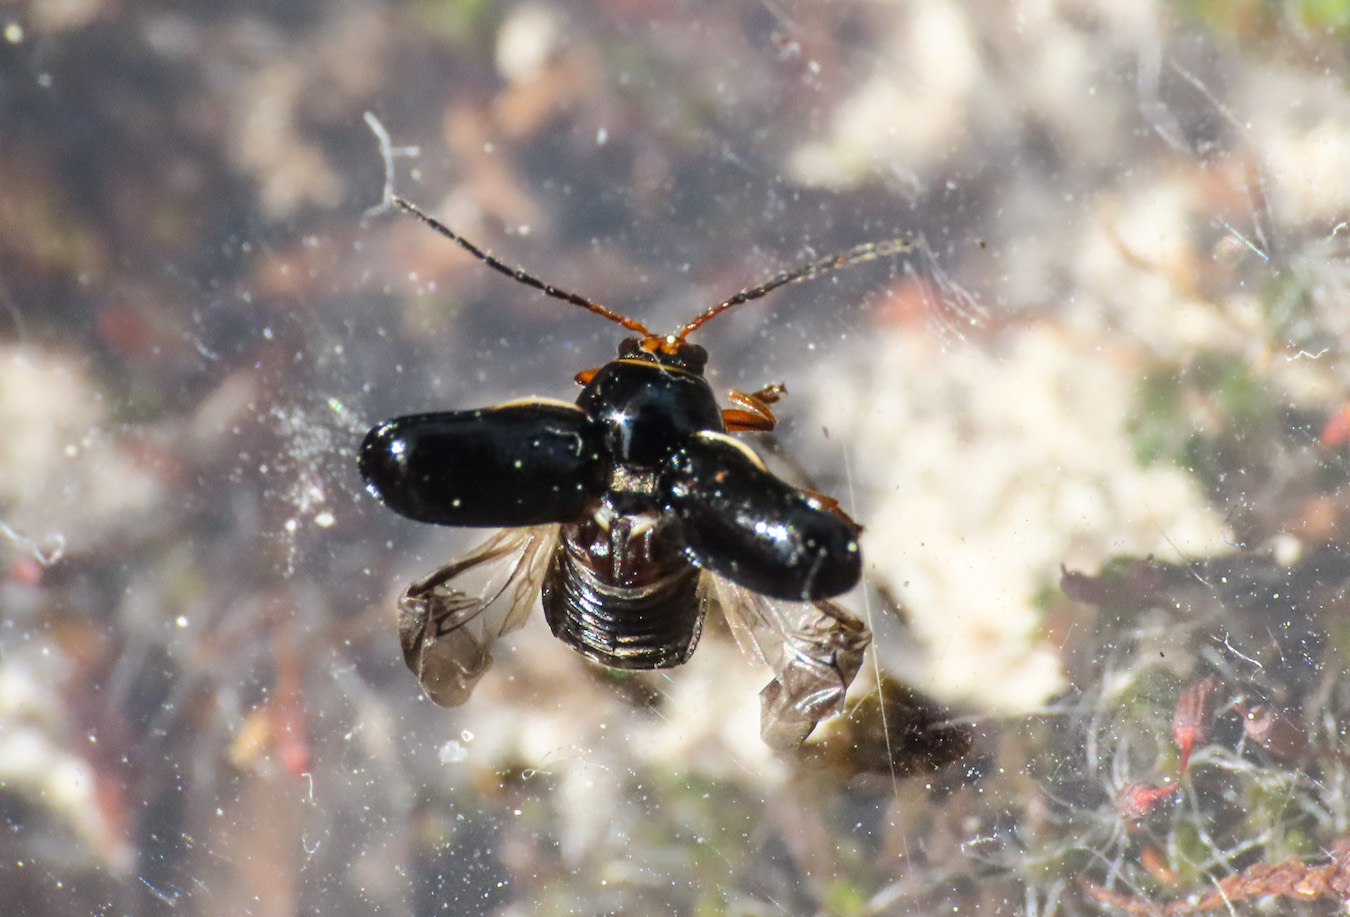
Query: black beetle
635	512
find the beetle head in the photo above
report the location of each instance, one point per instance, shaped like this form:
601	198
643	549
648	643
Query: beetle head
666	350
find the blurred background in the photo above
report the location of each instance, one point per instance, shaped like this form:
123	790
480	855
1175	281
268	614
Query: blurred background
1095	429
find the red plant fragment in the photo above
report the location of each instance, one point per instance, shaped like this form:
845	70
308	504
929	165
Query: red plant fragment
281	723
1152	860
1138	799
1291	878
1189	720
290	720
1337	428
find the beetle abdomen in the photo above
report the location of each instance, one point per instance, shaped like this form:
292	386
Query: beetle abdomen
527	463
649	621
740	521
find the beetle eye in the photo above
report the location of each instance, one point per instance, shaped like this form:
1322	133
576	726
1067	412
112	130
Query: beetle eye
693	357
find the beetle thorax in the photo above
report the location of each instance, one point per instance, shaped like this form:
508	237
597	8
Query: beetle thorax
649	409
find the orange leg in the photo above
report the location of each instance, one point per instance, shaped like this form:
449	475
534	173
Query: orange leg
752	412
832	505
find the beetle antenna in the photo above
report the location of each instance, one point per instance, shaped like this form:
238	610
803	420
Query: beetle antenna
520	275
868	251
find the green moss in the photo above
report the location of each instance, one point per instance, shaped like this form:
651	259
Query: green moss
1258	21
1293	320
454	21
1215	417
1241	19
1159	429
845	899
1268	800
1326	15
1338	639
1189	851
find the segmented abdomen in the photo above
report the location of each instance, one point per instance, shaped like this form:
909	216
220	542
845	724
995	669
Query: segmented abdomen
620	593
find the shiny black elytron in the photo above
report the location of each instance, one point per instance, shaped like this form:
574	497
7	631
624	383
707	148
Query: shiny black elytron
635	513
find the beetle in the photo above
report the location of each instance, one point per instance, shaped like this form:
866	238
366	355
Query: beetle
632	514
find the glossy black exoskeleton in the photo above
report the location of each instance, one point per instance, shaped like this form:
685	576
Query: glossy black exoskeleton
636	513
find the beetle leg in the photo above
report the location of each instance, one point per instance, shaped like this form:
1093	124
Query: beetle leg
771	393
585	376
752	412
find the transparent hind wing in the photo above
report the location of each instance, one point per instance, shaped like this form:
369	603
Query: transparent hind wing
448	621
821	657
814	649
